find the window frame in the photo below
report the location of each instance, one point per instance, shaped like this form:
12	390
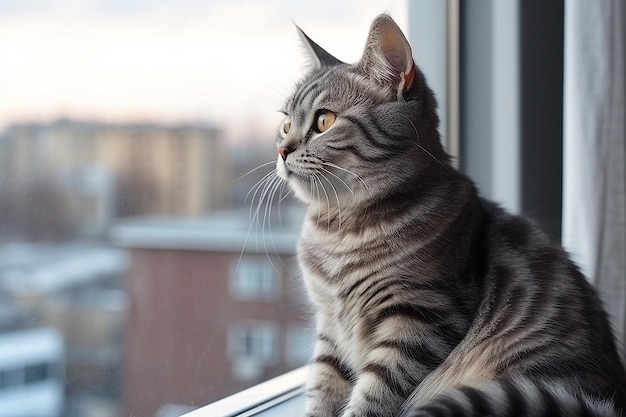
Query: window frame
262	399
254	279
491	56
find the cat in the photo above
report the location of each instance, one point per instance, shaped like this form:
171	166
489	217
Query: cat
428	299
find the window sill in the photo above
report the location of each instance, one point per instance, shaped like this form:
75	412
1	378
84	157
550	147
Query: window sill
281	396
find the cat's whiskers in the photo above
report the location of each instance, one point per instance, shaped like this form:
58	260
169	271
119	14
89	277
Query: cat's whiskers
321	184
256	187
266	189
261	184
342	181
269	192
331	165
273	188
266	185
314	186
256	169
283	195
417	135
336	196
281	89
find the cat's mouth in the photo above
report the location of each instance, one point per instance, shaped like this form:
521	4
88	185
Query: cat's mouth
291	169
287	173
294	175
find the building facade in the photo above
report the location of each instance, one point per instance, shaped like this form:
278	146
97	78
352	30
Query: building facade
61	318
105	171
206	317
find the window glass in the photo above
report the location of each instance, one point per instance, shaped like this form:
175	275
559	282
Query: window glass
255	279
36	373
11	378
146	263
253	346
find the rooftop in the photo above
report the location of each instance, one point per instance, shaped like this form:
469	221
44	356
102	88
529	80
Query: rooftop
29	267
227	231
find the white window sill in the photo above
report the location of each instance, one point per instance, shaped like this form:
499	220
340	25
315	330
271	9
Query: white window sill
278	397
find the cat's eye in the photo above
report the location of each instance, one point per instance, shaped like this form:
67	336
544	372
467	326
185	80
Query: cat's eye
325	119
286	125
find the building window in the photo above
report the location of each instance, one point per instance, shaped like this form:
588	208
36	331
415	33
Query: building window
11	378
252	347
36	373
254	279
31	374
254	339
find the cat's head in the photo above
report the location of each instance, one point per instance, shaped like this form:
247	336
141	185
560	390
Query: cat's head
358	132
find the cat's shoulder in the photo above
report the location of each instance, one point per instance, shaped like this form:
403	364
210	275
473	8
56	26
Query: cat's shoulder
517	233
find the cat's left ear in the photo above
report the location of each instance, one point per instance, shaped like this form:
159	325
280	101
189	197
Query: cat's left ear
320	57
387	56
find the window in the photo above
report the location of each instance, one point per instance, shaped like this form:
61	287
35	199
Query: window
253	346
125	133
255	279
496	68
30	374
254	340
278	397
10	378
36	373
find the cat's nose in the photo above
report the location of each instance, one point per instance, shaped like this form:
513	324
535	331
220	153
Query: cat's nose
284	151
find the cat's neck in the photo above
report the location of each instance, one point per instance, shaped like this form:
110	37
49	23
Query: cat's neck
428	221
429	203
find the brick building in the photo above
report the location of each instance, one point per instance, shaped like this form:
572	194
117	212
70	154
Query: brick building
206	317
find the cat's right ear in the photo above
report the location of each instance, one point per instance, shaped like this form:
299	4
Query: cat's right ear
316	53
387	56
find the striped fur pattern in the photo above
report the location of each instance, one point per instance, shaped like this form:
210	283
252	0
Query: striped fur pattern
428	300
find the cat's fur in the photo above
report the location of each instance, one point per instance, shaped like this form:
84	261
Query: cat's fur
429	300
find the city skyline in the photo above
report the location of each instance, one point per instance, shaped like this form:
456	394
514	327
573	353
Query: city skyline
229	64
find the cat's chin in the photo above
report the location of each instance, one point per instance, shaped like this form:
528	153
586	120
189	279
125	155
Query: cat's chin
302	192
303	188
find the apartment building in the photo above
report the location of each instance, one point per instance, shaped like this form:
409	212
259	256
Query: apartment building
215	306
107	170
75	292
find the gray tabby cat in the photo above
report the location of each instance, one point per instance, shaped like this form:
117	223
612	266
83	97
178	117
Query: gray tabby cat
429	301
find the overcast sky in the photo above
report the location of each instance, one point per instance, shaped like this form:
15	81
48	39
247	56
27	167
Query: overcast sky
228	63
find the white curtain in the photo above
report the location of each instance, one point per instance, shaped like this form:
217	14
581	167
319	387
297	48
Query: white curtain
594	216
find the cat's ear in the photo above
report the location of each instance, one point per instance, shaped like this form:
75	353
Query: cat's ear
387	56
318	55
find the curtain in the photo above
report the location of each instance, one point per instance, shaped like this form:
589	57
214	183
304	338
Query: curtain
594	179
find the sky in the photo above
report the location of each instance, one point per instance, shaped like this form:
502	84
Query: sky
224	63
